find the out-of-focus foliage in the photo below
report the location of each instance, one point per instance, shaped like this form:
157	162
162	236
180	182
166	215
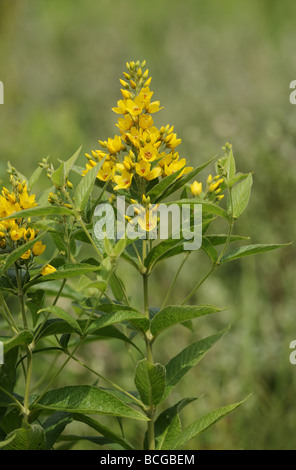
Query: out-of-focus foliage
223	69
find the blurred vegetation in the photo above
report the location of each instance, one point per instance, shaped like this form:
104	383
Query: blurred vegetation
222	70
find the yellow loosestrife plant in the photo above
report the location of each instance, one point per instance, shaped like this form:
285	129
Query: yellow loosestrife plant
141	163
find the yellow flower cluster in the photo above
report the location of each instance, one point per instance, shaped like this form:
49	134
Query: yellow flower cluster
213	188
142	152
15	232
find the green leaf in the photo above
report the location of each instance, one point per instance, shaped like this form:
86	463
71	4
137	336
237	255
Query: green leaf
250	250
186	359
175	314
64	272
24	338
150	382
159	250
238	177
86	399
230	166
157	191
203	423
54	426
53	327
168	425
34	178
207	207
35	303
60	313
220	239
45	211
8	377
85	187
209	249
58	176
32	438
119	315
240	196
68	165
106	432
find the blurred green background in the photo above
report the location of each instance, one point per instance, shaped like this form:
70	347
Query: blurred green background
222	70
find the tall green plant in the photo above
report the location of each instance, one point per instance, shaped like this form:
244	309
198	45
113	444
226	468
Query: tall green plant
142	165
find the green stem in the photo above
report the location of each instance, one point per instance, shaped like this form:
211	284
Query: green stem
21	296
8	313
78	344
175	280
60	291
148	340
199	285
28	384
138	402
12	397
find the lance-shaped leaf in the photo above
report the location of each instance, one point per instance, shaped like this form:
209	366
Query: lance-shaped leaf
158	190
68	165
220	239
8	378
106	432
159	251
150	382
209	249
168	425
64	272
61	313
175	314
240	196
85	187
41	212
207	207
250	250
203	423
54	426
118	314
32	438
87	400
188	358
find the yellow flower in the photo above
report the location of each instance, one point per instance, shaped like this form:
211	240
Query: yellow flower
114	145
175	166
154	107
145	95
48	269
172	141
149	153
17	233
143	168
30	234
106	171
214	186
123	181
121	107
145	121
134	136
38	249
26	201
125	123
134	107
196	188
26	255
155	173
147	219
